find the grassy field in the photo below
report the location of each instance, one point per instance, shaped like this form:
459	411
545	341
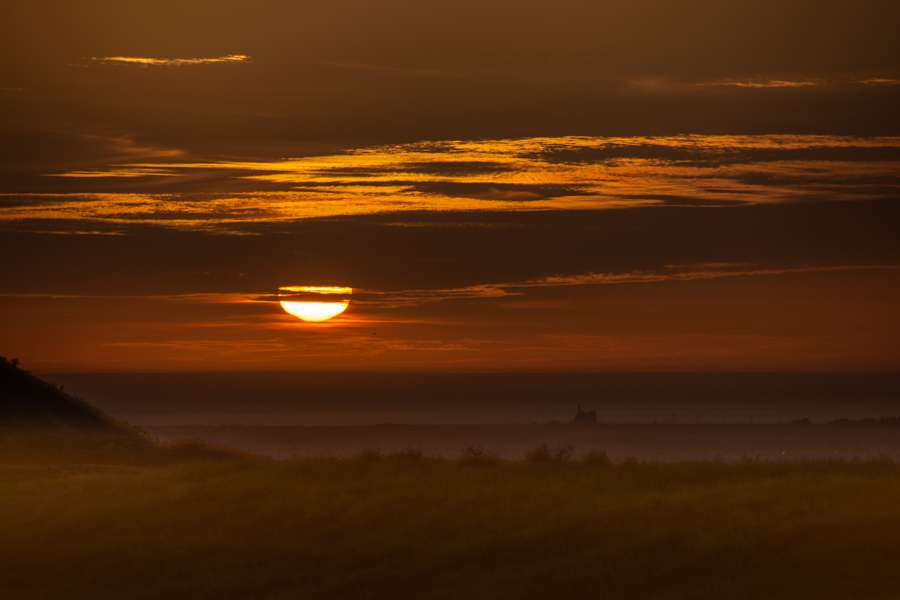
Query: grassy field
412	527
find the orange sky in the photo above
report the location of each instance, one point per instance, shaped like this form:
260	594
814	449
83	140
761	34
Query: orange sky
611	185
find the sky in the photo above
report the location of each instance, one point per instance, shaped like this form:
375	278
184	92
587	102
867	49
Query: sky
649	185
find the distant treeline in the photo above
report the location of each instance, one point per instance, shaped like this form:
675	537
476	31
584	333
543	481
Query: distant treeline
869	422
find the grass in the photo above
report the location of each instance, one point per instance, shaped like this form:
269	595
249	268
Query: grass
408	526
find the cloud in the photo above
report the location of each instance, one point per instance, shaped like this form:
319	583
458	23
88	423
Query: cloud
78	232
408	298
123	173
126	147
146	61
880	81
768	84
499	192
699	272
505	175
662	85
492	291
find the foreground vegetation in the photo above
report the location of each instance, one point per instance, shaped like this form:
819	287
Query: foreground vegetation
410	527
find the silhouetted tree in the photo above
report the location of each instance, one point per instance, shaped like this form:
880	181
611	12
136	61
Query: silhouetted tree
585	417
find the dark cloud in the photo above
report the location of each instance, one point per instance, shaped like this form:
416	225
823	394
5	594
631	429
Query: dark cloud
372	252
441	168
497	191
686	201
451	168
710	156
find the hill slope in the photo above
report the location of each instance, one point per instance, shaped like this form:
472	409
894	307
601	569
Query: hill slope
29	401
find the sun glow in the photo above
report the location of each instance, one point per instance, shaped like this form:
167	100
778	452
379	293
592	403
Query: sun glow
315	304
316	289
315	312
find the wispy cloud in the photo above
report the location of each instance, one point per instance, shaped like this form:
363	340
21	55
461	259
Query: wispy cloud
78	232
768	84
686	273
494	291
126	148
880	81
700	272
147	61
504	290
508	175
662	85
119	173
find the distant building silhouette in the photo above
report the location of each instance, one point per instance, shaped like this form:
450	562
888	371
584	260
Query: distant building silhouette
585	417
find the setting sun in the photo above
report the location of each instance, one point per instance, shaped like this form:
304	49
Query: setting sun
314	304
315	312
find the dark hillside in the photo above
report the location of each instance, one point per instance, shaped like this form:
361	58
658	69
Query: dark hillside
29	401
42	424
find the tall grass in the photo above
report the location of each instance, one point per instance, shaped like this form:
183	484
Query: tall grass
409	526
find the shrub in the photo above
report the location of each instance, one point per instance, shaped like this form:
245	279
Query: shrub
369	455
187	450
545	454
408	455
597	458
477	456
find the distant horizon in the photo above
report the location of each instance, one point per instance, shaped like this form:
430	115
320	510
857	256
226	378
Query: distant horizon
860	372
361	398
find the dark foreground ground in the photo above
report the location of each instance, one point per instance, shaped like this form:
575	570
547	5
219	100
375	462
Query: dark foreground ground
650	442
411	527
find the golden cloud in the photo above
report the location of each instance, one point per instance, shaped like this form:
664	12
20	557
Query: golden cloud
146	61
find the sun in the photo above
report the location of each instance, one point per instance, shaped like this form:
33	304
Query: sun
315	312
315	304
